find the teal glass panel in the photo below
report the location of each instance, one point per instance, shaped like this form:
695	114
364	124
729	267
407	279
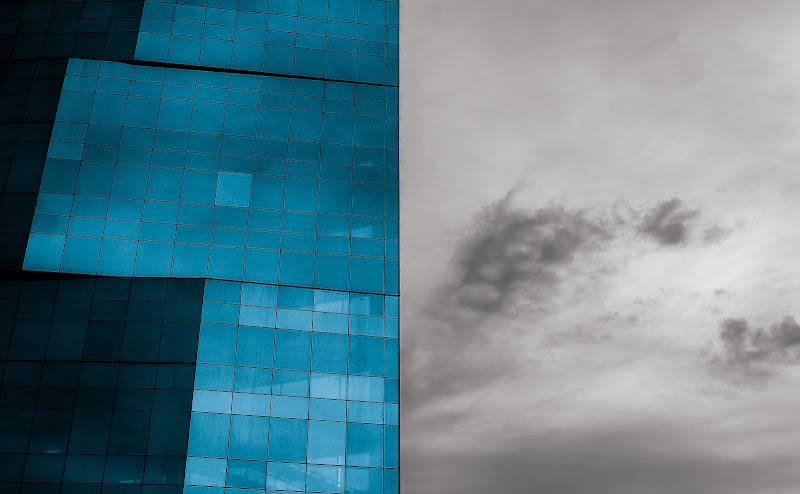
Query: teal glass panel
216	203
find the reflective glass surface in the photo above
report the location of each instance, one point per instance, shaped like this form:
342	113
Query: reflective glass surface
97	379
199	243
350	40
296	389
170	172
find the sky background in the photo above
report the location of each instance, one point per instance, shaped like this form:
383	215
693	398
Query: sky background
599	234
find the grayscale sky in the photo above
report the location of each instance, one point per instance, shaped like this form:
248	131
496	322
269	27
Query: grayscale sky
599	246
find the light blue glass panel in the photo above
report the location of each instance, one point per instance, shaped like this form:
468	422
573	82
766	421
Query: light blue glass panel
205	471
286	476
332	386
363	388
330	323
208	435
326	442
320	409
250	404
325	478
211	401
370	413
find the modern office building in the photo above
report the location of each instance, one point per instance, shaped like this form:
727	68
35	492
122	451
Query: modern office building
199	247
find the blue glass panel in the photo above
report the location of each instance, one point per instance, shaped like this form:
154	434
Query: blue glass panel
248	438
205	471
365	355
254	347
261	266
365	445
286	476
364	388
331	355
292	349
253	380
246	474
326	442
214	377
208	435
233	189
217	343
287	440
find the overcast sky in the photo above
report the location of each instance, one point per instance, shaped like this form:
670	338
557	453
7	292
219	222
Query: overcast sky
599	246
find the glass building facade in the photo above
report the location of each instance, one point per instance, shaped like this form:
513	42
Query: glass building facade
199	241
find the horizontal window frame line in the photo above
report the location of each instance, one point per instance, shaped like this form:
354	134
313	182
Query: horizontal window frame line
106	362
27	275
294	286
171	65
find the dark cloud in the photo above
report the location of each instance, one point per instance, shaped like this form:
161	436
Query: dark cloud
508	248
512	261
757	353
509	256
667	222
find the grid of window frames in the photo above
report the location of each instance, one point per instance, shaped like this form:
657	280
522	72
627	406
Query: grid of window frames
68	28
29	94
183	173
296	390
97	379
351	40
36	38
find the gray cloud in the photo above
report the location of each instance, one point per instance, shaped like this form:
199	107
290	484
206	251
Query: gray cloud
645	458
510	256
603	100
509	248
513	260
757	353
462	346
715	234
667	222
